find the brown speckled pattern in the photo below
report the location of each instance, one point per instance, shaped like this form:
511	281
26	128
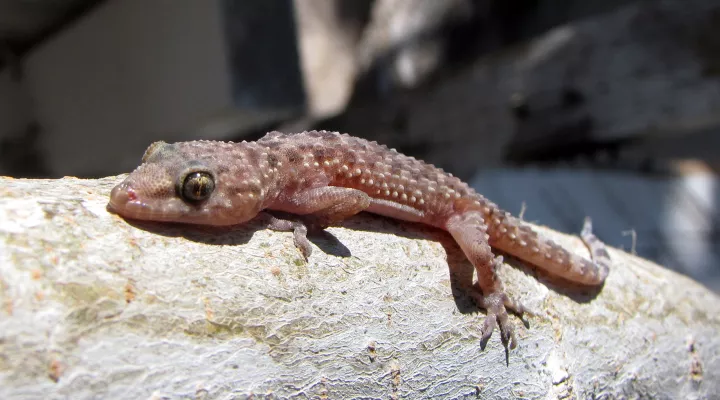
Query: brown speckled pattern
333	176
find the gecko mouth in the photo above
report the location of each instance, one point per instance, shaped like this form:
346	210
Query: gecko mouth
125	202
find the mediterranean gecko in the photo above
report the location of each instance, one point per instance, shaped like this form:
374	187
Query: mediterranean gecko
332	176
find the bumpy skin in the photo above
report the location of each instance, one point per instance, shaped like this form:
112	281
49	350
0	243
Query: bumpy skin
332	176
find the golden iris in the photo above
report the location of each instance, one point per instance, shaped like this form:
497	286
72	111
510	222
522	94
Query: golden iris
198	186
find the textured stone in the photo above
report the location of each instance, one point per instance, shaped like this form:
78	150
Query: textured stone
93	306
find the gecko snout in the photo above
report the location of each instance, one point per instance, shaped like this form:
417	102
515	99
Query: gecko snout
120	196
130	200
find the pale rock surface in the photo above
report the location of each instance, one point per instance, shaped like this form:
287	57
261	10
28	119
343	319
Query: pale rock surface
96	307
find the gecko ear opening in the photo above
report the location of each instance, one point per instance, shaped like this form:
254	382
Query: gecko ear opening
154	148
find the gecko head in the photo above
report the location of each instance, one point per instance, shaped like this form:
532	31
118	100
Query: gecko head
189	182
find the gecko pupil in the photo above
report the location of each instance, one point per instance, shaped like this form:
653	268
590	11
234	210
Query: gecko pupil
198	186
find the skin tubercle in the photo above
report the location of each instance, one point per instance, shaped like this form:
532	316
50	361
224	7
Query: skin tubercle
382	173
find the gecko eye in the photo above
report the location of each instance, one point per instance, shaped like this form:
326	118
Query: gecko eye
198	186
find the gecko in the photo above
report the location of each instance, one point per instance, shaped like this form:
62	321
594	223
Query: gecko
329	177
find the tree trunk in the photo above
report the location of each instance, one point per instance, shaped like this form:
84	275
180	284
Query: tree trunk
97	307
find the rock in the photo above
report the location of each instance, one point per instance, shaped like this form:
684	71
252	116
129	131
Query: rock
94	306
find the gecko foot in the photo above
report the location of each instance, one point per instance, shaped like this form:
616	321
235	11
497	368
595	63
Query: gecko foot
298	229
497	305
497	316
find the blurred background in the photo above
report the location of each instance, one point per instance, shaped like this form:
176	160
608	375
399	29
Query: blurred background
558	108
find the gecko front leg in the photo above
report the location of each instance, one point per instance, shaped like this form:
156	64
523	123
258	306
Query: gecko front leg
298	229
326	205
470	232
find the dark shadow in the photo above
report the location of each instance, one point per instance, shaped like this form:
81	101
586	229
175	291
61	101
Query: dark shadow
55	18
460	269
214	235
22	155
329	244
354	14
573	290
235	234
323	239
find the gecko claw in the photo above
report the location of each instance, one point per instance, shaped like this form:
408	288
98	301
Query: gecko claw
507	331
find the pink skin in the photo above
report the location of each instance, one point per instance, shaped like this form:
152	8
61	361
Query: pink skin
331	177
153	190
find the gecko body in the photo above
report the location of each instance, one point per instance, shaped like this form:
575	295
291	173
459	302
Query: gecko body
332	176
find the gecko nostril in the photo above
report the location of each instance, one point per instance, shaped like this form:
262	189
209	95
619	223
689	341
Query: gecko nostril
121	195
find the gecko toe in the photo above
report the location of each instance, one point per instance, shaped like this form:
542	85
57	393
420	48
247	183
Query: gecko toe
303	244
488	328
507	331
516	307
497	316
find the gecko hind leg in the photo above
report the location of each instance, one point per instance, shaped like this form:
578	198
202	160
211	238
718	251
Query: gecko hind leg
497	305
470	232
511	304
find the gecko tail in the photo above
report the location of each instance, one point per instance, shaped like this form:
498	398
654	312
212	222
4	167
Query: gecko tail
513	236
